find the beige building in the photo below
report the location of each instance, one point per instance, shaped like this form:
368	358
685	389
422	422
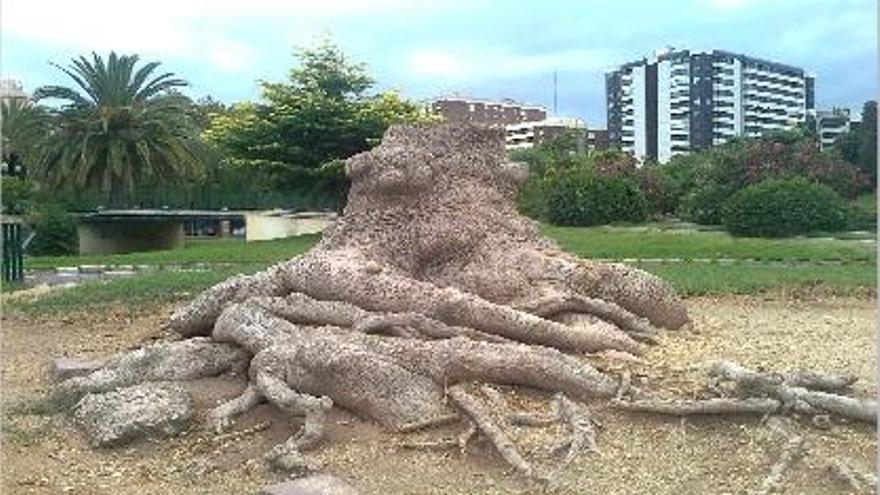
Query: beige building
525	124
461	109
831	124
527	134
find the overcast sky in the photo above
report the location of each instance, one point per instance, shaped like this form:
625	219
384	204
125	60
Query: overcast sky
489	49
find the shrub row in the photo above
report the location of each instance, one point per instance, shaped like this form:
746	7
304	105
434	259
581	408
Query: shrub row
784	207
585	199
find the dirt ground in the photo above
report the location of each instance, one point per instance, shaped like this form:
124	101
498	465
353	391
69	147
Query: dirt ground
638	453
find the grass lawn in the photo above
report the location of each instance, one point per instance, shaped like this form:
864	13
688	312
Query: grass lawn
228	250
142	290
789	263
695	279
641	243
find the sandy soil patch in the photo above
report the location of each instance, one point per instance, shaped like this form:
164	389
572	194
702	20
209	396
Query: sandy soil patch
639	454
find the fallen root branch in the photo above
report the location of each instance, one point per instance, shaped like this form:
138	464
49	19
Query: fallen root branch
795	448
816	381
483	420
860	482
698	407
780	387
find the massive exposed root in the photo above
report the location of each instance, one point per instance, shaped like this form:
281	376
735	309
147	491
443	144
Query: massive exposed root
185	360
429	282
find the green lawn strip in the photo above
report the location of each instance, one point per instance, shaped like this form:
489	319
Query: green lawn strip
594	242
693	279
689	278
145	289
217	251
647	242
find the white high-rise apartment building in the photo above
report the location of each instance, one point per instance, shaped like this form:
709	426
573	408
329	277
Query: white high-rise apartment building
676	101
11	89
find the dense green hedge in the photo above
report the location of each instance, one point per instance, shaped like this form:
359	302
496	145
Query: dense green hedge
587	199
784	207
55	232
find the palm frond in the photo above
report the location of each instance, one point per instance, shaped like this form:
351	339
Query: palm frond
159	84
61	93
140	76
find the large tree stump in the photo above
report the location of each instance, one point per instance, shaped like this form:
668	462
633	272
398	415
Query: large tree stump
428	281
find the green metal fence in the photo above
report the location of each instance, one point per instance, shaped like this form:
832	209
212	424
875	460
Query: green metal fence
13	257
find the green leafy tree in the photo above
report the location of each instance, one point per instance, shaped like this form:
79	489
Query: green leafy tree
808	129
847	145
859	145
204	110
867	160
119	125
297	135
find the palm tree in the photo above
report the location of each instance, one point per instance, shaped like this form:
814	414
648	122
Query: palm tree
119	127
22	129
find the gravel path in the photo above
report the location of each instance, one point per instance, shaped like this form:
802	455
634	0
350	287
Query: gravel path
639	454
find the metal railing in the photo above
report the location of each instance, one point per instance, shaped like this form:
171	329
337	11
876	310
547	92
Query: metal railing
13	252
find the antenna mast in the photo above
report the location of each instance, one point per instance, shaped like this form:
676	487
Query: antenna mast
554	93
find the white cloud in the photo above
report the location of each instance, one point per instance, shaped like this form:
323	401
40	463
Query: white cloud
437	63
472	64
834	36
231	56
165	27
728	4
93	26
